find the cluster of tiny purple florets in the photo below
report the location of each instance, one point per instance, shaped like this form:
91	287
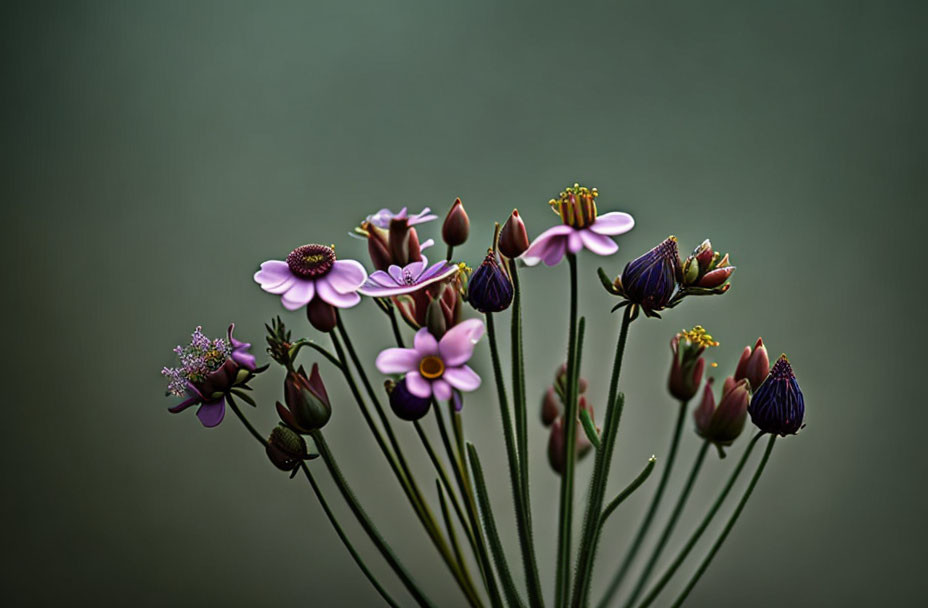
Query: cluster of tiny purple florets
197	360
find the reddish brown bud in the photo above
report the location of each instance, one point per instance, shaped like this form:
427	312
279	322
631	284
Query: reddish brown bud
753	365
457	226
513	239
321	315
716	277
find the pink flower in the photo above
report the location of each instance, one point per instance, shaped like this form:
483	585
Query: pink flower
412	277
434	367
382	218
310	271
581	227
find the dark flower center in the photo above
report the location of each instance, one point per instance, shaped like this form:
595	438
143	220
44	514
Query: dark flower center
431	367
311	261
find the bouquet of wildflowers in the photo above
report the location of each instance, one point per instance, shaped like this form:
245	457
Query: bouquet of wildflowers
439	314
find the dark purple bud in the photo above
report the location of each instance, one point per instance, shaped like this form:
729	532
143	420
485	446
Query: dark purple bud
489	289
286	449
513	238
778	405
650	281
321	315
406	405
753	364
456	228
378	248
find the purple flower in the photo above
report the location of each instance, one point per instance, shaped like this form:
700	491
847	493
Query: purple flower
434	367
382	218
412	277
309	271
208	372
581	227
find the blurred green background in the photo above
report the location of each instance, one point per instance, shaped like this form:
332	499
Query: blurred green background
155	153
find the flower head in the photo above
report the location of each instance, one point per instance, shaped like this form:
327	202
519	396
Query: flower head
391	238
443	297
778	405
412	277
650	281
753	364
209	370
721	425
706	272
489	289
434	367
309	272
384	217
286	449
687	366
581	227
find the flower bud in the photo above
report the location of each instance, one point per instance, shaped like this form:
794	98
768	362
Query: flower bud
650	281
687	366
377	248
706	271
308	405
513	238
489	289
723	424
406	405
286	449
550	407
321	315
753	364
457	226
557	446
435	318
778	405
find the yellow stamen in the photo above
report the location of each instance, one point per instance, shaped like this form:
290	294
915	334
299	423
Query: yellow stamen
431	367
699	337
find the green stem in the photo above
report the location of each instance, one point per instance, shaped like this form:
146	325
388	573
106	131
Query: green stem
600	479
652	509
525	539
499	556
391	312
460	473
316	347
728	526
518	389
694	538
629	489
449	524
341	534
445	481
565	520
462	576
668	529
365	521
325	507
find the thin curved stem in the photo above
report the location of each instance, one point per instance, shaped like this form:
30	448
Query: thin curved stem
460	473
628	491
652	509
698	532
391	312
366	523
245	421
525	540
341	534
449	523
565	520
600	480
496	547
671	523
731	522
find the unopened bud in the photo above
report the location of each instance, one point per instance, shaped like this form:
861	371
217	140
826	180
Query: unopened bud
457	226
513	238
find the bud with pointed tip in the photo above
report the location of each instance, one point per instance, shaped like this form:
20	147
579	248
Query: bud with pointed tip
706	271
456	228
286	449
308	406
321	315
723	424
753	364
489	289
513	238
435	318
778	405
406	405
651	280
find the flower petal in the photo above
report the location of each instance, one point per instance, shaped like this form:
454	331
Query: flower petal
613	223
426	244
425	343
423	216
418	386
546	245
211	414
346	276
462	378
597	243
299	294
457	345
574	242
397	360
184	404
273	272
441	389
329	294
